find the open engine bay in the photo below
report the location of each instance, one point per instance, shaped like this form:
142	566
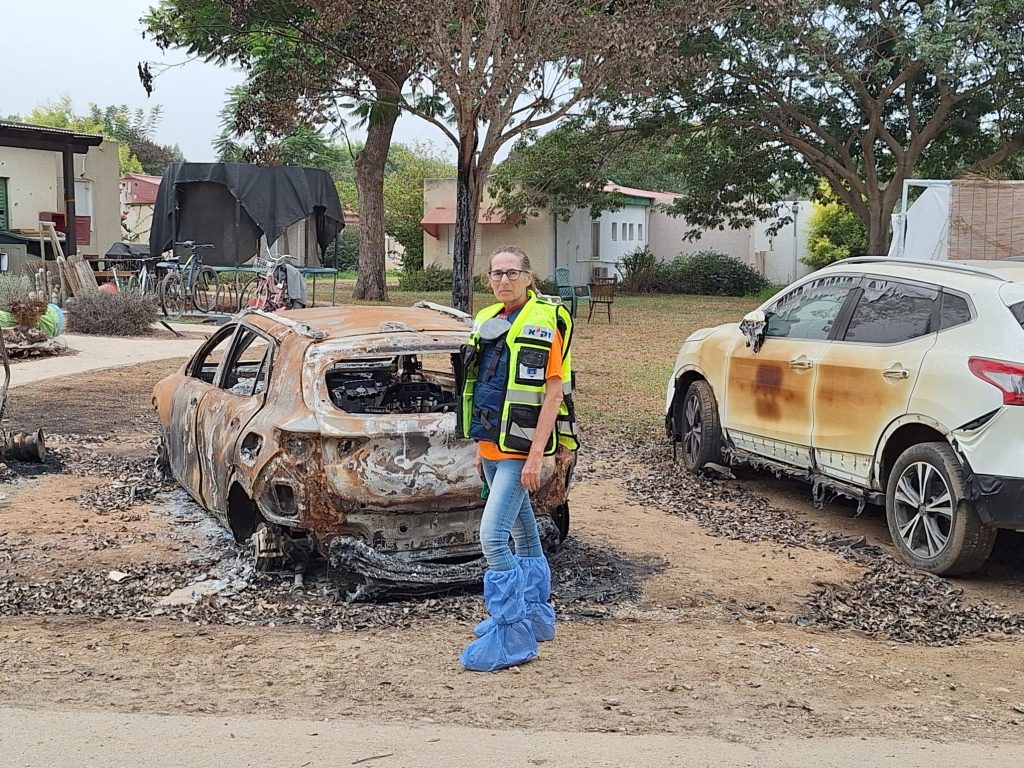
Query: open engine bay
410	383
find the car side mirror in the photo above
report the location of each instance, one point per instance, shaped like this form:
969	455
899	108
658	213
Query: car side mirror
753	327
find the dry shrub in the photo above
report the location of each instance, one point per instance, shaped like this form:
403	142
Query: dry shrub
13	288
28	311
112	314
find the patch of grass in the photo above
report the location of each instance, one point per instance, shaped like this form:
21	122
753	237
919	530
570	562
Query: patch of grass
766	293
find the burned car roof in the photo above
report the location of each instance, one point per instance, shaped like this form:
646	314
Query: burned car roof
347	322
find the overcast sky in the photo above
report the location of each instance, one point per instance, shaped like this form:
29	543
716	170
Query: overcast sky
89	50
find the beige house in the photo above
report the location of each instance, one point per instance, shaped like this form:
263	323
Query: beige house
138	198
32	187
593	247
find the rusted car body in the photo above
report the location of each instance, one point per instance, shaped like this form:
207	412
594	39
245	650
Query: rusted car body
337	426
892	382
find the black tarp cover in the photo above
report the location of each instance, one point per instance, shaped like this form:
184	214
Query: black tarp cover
274	197
128	251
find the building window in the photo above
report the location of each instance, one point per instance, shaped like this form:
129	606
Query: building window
595	240
451	239
615	230
5	219
631	231
640	232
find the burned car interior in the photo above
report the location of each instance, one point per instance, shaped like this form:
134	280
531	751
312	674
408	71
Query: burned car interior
397	384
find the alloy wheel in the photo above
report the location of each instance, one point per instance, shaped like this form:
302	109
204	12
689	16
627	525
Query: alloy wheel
693	429
924	509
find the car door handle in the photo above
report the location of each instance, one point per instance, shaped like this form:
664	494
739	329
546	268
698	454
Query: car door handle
801	363
896	372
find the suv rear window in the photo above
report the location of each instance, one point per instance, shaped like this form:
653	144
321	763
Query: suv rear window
1018	312
890	312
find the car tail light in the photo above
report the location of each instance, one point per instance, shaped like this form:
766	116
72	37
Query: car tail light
1008	378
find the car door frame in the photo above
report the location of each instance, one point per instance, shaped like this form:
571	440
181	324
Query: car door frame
858	466
220	427
769	383
182	448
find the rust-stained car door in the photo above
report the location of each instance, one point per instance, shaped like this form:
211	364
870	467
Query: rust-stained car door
190	391
769	393
865	379
242	382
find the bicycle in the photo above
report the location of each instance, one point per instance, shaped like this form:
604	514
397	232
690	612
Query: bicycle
143	282
269	291
191	280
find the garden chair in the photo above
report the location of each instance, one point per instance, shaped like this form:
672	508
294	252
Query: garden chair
602	291
573	294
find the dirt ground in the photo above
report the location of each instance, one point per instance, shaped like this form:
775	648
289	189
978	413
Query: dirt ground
707	647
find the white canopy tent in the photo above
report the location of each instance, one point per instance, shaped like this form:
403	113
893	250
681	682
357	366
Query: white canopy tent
922	231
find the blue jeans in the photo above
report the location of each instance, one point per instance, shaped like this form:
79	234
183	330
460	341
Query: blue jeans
507	512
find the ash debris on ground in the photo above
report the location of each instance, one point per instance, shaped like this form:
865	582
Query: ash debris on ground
893	601
890	601
127	481
723	508
587	582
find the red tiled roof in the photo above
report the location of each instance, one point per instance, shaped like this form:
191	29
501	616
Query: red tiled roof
438	217
659	197
142	189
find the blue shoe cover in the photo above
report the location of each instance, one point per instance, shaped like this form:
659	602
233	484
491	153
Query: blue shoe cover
510	640
536	592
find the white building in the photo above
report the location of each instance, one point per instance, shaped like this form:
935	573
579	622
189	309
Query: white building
594	247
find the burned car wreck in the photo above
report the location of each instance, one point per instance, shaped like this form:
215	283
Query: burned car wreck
333	431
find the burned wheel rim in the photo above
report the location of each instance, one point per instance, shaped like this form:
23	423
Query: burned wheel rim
923	507
693	429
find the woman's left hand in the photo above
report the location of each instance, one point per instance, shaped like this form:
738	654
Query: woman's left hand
531	472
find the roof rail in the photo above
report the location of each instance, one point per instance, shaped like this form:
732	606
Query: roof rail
947	266
458	314
300	328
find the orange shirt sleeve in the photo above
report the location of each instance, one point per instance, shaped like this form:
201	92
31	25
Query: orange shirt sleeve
555	358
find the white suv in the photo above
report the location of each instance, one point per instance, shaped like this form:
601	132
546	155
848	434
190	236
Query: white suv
893	382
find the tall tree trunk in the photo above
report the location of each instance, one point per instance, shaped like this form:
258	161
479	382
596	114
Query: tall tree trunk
878	223
467	204
371	281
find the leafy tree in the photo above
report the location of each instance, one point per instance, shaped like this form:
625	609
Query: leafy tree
302	61
834	232
303	145
493	70
407	167
861	93
132	129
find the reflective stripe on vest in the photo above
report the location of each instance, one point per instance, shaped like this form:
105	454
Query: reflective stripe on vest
529	342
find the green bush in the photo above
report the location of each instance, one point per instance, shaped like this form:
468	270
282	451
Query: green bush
430	279
710	273
834	232
640	271
112	314
544	285
343	253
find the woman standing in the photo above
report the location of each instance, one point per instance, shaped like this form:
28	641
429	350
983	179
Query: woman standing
517	405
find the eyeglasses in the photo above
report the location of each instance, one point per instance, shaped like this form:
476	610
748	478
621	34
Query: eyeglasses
511	274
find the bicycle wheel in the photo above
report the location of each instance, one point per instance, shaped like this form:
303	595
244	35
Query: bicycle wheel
205	289
172	295
254	294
